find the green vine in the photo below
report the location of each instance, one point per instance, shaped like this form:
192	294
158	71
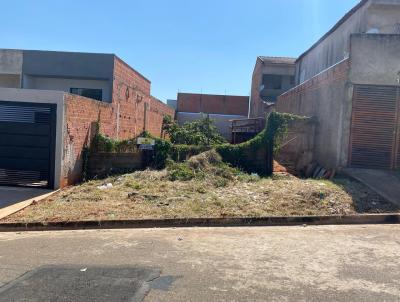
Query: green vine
248	156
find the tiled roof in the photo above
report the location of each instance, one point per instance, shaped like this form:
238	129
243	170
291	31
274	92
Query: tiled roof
278	60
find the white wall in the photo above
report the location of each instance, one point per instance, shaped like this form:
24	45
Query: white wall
64	84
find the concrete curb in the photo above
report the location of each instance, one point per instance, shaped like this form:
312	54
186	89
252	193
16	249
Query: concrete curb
203	222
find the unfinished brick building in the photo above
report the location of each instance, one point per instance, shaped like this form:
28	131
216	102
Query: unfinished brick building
49	102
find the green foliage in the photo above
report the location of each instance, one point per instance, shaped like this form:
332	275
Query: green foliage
167	123
199	133
183	152
162	151
278	125
205	166
243	156
267	141
102	143
179	171
253	156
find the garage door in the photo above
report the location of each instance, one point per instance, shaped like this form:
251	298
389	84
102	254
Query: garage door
27	144
375	134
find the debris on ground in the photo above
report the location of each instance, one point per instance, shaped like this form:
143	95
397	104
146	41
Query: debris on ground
205	187
316	171
105	186
278	168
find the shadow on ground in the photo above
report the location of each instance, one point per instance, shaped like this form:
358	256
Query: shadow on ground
365	200
13	195
72	283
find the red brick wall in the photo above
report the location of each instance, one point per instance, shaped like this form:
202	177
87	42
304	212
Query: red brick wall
125	74
217	104
80	114
154	115
131	92
122	119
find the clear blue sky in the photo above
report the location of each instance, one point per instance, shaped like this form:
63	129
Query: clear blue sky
186	45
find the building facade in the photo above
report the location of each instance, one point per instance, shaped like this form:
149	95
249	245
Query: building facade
350	81
272	76
220	108
50	103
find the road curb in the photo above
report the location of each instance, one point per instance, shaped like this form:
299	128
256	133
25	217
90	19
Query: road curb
203	222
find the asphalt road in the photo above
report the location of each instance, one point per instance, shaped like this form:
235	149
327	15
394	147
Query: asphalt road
327	263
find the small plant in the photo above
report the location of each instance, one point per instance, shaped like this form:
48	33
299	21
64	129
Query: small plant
201	190
180	171
244	177
103	143
205	166
131	183
220	182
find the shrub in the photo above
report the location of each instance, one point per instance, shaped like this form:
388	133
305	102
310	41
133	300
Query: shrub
180	171
267	142
184	152
200	136
162	151
199	133
102	143
207	165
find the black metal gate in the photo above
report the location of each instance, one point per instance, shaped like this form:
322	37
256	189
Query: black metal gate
27	144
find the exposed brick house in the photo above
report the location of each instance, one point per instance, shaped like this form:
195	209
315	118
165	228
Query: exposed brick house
57	97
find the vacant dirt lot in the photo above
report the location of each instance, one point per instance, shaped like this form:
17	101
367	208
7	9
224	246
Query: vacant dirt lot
151	194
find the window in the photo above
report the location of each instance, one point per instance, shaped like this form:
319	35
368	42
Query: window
96	94
272	81
292	80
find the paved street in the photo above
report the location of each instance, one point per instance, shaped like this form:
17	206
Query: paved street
327	263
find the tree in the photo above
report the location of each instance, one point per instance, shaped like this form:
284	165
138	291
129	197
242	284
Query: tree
201	132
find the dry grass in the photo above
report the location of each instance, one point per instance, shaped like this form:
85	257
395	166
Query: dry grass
149	195
214	191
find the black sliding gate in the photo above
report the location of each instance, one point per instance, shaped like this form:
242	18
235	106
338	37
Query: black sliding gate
27	144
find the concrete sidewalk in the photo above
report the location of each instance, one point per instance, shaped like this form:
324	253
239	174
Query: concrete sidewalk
14	199
12	195
324	263
384	182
